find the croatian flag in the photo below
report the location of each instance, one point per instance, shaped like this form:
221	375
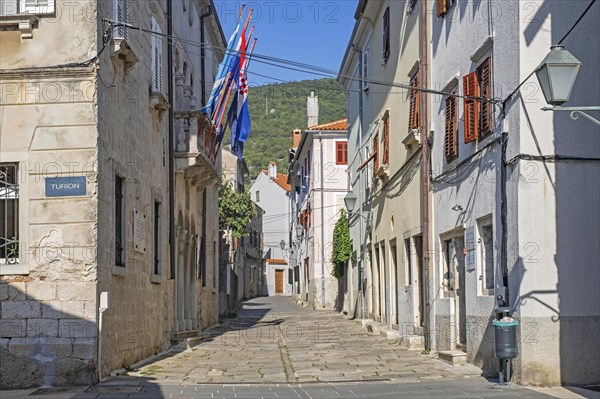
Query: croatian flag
229	64
239	115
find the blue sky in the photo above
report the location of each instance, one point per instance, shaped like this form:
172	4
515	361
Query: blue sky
309	31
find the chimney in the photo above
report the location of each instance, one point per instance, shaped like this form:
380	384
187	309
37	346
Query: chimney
272	170
296	136
312	109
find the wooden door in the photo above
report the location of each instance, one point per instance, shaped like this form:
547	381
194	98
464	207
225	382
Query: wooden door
279	281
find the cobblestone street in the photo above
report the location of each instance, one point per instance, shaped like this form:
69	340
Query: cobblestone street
276	349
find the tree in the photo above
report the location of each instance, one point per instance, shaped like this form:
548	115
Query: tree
342	247
235	210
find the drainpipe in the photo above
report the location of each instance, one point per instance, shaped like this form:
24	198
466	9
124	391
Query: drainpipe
203	52
361	270
425	171
503	219
322	224
171	100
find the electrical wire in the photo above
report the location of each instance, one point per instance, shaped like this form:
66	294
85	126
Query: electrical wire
298	66
576	22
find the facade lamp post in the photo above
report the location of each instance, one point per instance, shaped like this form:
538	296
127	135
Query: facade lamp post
350	202
556	75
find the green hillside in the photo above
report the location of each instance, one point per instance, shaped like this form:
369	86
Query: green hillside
277	109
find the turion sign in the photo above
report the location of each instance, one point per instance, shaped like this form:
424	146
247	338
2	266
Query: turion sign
65	186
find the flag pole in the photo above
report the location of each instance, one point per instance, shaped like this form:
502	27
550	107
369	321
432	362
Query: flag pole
228	83
241	12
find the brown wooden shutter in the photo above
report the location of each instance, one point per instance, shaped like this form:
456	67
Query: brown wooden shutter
472	107
415	102
376	152
484	72
341	153
386	138
451	139
386	34
441	7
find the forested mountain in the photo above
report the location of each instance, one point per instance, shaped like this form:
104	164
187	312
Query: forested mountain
277	109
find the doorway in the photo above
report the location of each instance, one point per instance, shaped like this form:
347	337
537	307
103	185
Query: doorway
455	282
418	242
279	274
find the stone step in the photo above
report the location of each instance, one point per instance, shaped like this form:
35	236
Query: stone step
390	334
412	342
181	335
455	358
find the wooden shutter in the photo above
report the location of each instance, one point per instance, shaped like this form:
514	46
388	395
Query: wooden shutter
386	34
472	107
484	72
414	113
441	7
386	138
376	152
341	153
365	70
451	139
121	15
156	41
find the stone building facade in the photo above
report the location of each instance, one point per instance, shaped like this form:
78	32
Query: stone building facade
84	189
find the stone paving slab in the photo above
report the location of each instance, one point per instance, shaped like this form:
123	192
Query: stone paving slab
277	349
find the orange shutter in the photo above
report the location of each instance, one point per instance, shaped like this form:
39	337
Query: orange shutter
451	139
413	117
472	107
484	72
441	7
376	152
386	138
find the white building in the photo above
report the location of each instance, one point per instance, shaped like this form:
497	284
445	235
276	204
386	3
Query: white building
271	192
540	252
319	184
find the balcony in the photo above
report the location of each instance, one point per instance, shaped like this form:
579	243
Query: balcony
196	148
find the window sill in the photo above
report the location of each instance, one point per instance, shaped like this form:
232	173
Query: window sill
156	279
383	172
13	268
158	101
412	138
23	23
119	270
121	51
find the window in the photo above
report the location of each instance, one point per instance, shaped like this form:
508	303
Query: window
376	152
365	70
408	262
386	138
341	153
120	14
257	196
9	214
442	7
478	115
157	239
451	137
386	35
415	103
157	58
486	249
16	7
119	221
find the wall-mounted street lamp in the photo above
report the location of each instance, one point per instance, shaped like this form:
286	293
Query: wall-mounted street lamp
556	75
299	230
350	202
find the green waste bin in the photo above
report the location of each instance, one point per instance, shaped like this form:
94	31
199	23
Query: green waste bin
506	339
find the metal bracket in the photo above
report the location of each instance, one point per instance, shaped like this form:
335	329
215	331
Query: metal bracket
576	112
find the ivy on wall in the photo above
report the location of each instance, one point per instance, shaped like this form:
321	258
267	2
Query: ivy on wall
342	247
235	210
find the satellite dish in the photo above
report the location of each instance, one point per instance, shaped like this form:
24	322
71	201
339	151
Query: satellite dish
272	110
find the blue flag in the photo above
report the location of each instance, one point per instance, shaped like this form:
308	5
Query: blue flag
229	65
